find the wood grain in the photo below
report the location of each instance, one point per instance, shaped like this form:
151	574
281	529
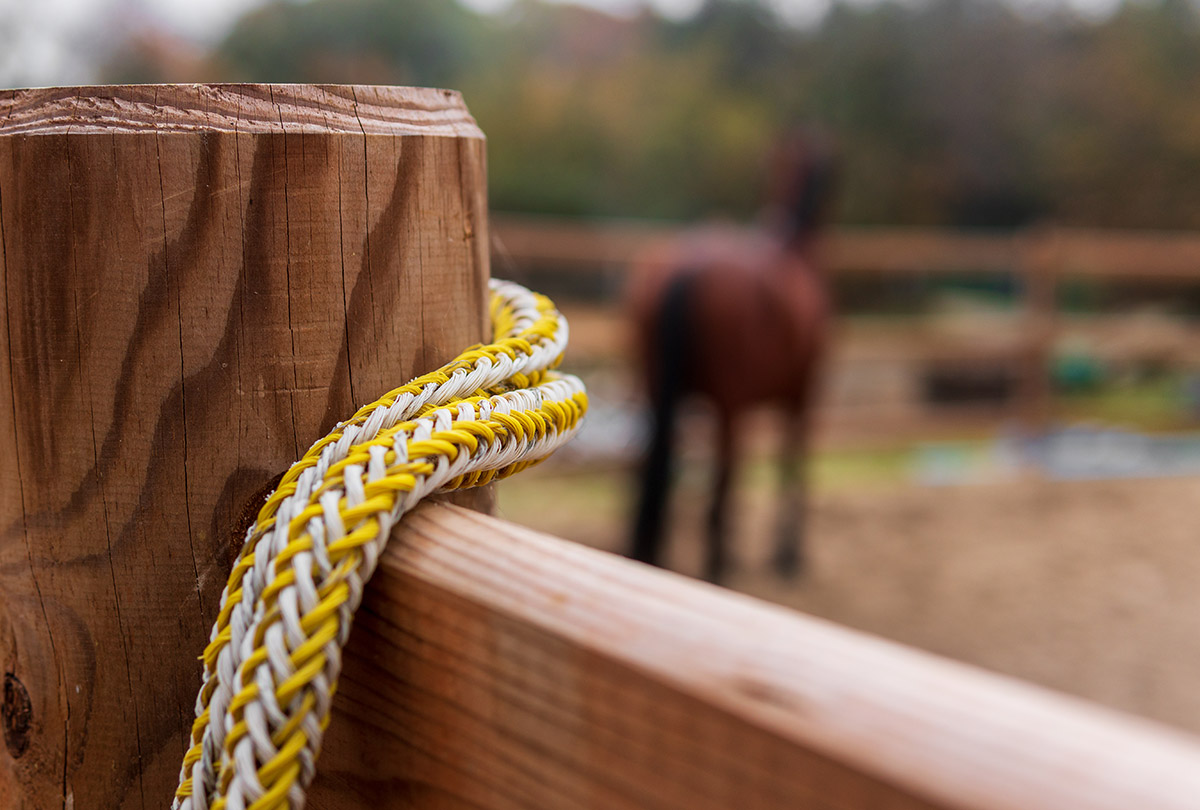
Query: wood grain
495	668
198	281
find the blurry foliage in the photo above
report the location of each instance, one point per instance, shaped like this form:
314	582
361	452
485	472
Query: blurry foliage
948	112
425	42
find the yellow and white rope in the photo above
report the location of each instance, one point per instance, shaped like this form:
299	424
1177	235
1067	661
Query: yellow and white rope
271	667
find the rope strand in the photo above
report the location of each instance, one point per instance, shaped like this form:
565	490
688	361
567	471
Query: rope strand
272	663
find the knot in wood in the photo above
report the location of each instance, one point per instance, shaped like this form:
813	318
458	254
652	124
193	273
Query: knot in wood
17	715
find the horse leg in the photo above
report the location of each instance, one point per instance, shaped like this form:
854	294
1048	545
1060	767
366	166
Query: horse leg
655	493
718	515
671	349
789	556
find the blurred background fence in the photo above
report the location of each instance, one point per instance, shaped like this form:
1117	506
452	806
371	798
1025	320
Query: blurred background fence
941	332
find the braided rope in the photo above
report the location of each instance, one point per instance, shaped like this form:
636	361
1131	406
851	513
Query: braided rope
271	667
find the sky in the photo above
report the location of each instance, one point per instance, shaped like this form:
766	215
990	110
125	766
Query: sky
674	8
45	42
800	12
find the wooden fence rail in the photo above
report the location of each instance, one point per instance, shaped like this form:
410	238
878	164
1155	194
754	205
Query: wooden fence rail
496	668
1072	252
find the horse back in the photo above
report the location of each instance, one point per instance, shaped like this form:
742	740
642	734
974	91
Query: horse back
758	317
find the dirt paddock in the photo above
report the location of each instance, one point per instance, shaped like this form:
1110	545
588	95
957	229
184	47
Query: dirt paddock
1091	588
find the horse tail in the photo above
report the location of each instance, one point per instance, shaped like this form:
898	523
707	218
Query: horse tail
670	358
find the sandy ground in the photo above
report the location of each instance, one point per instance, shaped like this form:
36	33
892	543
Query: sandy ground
1091	588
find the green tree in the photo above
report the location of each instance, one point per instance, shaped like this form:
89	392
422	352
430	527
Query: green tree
948	112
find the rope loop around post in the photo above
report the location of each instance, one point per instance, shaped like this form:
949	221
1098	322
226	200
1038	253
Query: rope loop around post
272	663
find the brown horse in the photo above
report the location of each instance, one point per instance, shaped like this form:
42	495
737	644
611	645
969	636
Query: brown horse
737	317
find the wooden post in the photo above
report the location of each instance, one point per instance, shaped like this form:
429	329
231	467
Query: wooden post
198	281
1038	272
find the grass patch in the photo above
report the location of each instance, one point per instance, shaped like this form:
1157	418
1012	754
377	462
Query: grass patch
1152	405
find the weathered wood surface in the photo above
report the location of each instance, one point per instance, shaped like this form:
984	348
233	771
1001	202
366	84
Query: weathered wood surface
494	668
198	281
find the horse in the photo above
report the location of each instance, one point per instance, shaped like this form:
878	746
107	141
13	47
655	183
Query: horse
737	317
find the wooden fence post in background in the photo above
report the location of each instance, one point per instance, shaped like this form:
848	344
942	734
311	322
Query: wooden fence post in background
198	281
1038	273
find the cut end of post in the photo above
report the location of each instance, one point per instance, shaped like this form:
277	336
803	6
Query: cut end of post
244	108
